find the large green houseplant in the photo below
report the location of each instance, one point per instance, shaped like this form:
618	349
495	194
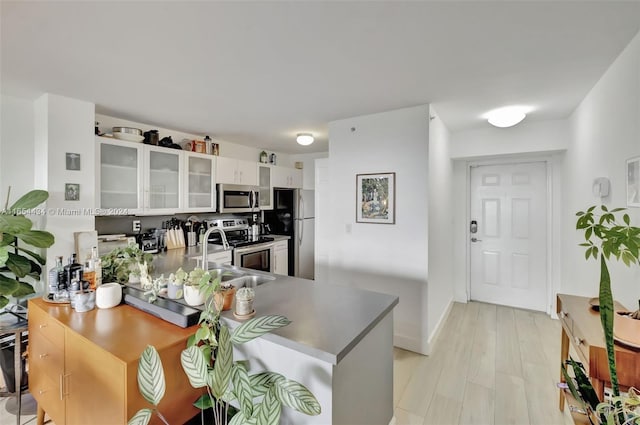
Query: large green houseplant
118	264
609	235
208	363
18	263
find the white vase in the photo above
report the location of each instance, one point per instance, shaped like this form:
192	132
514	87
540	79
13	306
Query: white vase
192	295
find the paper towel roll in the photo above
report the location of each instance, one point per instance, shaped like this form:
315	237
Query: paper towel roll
108	295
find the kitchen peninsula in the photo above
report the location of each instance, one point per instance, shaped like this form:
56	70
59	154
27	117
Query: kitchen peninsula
339	345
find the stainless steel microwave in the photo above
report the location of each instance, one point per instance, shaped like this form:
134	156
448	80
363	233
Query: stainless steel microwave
233	198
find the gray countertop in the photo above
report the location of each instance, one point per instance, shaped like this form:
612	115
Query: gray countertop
327	320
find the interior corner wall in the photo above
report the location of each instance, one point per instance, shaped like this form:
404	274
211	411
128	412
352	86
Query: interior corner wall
388	258
16	147
63	125
605	133
440	225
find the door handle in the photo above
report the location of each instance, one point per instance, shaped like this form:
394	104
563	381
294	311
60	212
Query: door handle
474	239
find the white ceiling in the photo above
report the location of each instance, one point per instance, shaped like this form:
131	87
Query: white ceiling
257	73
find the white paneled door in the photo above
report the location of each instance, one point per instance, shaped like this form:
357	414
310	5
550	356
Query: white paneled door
508	251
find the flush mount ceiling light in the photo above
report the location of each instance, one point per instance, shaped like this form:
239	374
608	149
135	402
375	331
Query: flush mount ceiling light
507	116
304	139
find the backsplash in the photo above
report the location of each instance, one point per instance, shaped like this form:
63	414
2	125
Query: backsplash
110	225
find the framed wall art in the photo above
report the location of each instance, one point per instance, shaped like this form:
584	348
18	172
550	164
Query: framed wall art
376	198
633	182
71	192
73	161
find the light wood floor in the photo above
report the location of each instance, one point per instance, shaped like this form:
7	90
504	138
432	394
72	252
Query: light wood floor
491	365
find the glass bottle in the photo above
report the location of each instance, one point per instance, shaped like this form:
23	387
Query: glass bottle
54	274
89	274
97	265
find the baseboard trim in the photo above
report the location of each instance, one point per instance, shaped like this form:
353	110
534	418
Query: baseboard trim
436	331
411	344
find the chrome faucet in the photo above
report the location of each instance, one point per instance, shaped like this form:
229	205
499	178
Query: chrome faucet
205	243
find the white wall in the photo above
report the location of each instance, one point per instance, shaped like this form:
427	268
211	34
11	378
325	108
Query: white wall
605	133
308	167
64	125
380	257
16	147
440	242
527	137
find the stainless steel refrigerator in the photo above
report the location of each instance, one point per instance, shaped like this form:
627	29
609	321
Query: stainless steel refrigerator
293	215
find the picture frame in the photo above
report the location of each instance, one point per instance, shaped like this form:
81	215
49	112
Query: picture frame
376	198
71	192
633	182
72	161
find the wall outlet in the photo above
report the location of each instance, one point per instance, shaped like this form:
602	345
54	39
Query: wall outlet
136	225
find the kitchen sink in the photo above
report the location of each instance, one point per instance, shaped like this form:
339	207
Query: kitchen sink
241	279
253	280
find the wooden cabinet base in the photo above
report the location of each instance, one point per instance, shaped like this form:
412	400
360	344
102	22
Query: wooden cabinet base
96	367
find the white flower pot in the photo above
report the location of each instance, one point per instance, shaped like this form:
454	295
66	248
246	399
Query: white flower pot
192	295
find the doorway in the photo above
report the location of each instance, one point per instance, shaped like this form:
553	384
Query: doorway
508	234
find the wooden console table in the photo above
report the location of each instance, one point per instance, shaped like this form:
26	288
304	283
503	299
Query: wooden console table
83	366
582	328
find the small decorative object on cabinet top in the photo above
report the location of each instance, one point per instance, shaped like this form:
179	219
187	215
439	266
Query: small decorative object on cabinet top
263	157
272	158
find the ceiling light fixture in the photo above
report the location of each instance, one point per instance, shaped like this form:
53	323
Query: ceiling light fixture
507	116
304	139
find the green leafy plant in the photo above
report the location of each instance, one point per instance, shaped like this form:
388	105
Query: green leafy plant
609	236
119	263
208	363
17	262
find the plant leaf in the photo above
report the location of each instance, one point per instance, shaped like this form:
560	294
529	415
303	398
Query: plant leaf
37	238
23	290
3	301
39	258
4	255
240	419
142	417
204	402
18	264
223	364
261	382
268	411
256	327
195	366
296	396
30	200
13	224
242	388
8	285
151	376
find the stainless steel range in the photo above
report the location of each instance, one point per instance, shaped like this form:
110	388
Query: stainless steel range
249	251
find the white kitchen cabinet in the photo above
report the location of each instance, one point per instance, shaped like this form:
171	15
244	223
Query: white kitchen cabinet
163	178
265	191
236	171
199	182
286	177
281	258
138	179
119	177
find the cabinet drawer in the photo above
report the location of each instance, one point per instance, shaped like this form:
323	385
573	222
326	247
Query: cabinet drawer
45	357
41	324
581	345
48	394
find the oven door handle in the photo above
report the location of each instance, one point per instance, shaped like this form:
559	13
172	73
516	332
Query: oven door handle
253	248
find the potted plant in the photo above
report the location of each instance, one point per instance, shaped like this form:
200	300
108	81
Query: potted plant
17	263
192	293
208	362
175	284
121	264
224	296
609	236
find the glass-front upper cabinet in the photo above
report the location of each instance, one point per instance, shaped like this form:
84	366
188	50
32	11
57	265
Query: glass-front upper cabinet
163	180
119	177
265	190
200	188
